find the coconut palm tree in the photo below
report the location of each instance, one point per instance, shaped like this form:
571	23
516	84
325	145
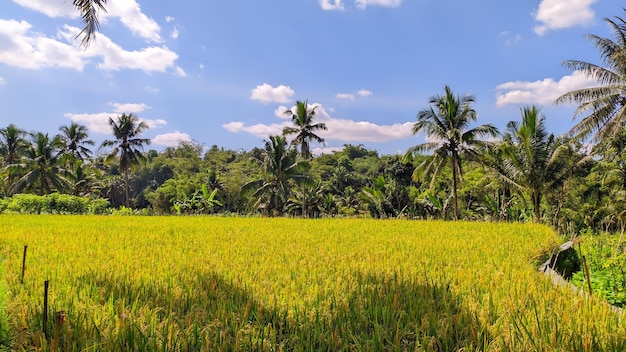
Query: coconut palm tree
534	161
304	128
89	12
280	167
127	145
75	137
603	107
446	123
12	147
41	166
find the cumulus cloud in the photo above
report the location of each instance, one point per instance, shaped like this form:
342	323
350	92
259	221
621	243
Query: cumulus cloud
330	5
171	139
362	4
268	94
560	14
128	11
99	122
542	92
338	129
26	49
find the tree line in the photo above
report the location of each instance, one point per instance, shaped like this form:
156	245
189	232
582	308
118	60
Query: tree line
573	181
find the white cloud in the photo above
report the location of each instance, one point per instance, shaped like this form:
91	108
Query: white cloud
180	72
325	150
268	94
151	89
24	48
99	122
338	129
345	96
350	96
51	8
510	39
2	81
560	14
171	139
362	4
329	5
542	92
128	12
280	112
169	19
129	108
174	33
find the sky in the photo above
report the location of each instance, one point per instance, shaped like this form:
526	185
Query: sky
224	72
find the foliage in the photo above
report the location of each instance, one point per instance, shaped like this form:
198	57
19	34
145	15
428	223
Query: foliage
604	106
606	259
54	203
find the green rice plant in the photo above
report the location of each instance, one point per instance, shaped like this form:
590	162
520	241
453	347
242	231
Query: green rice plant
255	284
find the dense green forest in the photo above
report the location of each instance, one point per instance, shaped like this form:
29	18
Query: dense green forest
463	171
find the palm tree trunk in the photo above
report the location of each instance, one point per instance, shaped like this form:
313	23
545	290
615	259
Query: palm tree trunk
126	188
454	187
536	195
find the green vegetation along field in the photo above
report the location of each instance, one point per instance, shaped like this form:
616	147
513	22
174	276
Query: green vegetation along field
211	283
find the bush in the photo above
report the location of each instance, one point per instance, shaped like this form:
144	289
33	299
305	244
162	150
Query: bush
54	203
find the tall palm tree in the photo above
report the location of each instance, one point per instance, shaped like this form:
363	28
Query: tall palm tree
446	124
304	128
89	12
75	137
603	107
12	146
127	145
43	172
534	161
280	167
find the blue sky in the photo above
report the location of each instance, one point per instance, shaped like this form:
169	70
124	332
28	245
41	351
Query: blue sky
223	72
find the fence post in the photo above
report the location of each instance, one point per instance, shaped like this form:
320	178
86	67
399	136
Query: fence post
45	308
24	263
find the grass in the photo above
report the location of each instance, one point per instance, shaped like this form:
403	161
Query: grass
210	283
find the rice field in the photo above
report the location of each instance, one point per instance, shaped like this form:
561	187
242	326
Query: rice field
253	284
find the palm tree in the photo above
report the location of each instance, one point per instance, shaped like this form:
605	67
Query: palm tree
12	147
127	145
41	166
75	139
603	107
534	161
280	168
446	124
89	13
304	127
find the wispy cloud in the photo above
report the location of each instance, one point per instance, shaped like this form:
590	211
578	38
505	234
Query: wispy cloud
510	38
560	14
362	4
